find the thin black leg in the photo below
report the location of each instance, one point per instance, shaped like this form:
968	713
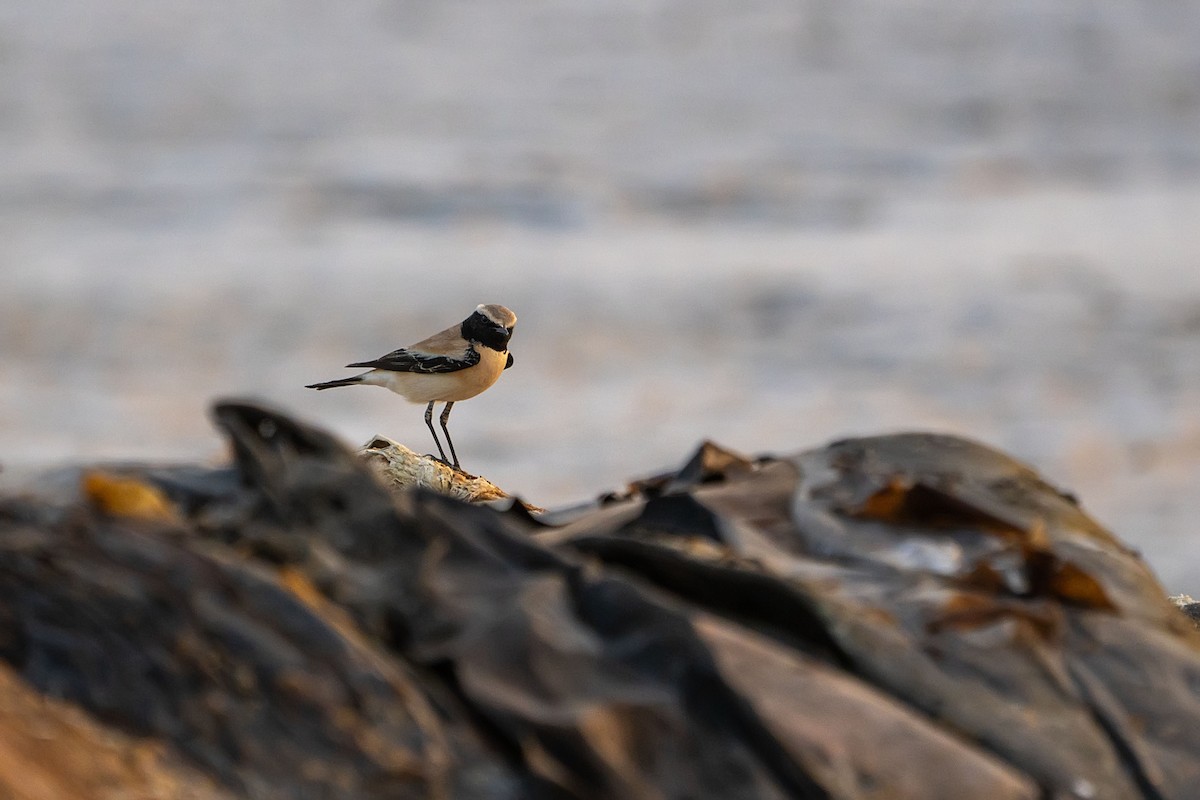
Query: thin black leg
429	422
445	419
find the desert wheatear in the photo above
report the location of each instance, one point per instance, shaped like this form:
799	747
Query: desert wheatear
456	364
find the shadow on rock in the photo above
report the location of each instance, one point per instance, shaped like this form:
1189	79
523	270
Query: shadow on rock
910	616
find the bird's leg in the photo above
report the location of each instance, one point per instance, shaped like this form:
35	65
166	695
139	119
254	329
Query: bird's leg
445	419
429	422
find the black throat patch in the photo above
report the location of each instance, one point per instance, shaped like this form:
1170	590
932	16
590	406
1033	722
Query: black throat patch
478	328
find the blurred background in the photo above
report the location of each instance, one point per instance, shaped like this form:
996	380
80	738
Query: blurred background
767	223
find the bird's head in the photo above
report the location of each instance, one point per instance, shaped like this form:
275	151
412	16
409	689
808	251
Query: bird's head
491	325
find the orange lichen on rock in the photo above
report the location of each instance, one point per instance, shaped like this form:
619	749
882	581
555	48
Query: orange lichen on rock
126	497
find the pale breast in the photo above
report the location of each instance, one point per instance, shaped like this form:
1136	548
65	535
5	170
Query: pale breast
484	374
444	386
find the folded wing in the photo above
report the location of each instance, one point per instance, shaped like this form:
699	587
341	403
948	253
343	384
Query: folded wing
404	360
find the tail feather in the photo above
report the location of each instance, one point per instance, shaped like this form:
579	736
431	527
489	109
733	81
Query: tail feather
338	382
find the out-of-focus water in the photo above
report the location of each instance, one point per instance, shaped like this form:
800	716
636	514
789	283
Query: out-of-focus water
768	223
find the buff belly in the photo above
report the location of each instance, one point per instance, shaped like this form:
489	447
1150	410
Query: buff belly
444	386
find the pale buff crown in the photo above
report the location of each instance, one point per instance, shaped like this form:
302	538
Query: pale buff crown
498	314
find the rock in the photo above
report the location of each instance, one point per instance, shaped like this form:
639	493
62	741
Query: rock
400	469
1189	606
49	748
908	616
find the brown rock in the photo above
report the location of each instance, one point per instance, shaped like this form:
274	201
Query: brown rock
910	616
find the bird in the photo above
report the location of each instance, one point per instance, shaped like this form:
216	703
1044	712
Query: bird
456	364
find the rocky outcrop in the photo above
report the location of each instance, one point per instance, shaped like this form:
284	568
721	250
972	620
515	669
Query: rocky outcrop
908	616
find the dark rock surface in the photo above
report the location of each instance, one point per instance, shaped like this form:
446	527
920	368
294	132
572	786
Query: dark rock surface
909	616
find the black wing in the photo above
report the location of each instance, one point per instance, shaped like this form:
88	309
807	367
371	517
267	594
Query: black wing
407	361
509	362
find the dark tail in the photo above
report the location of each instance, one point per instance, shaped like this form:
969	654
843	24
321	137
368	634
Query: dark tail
338	382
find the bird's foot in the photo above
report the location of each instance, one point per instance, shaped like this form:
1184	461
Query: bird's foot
454	467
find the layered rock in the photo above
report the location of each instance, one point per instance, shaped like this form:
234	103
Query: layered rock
909	616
